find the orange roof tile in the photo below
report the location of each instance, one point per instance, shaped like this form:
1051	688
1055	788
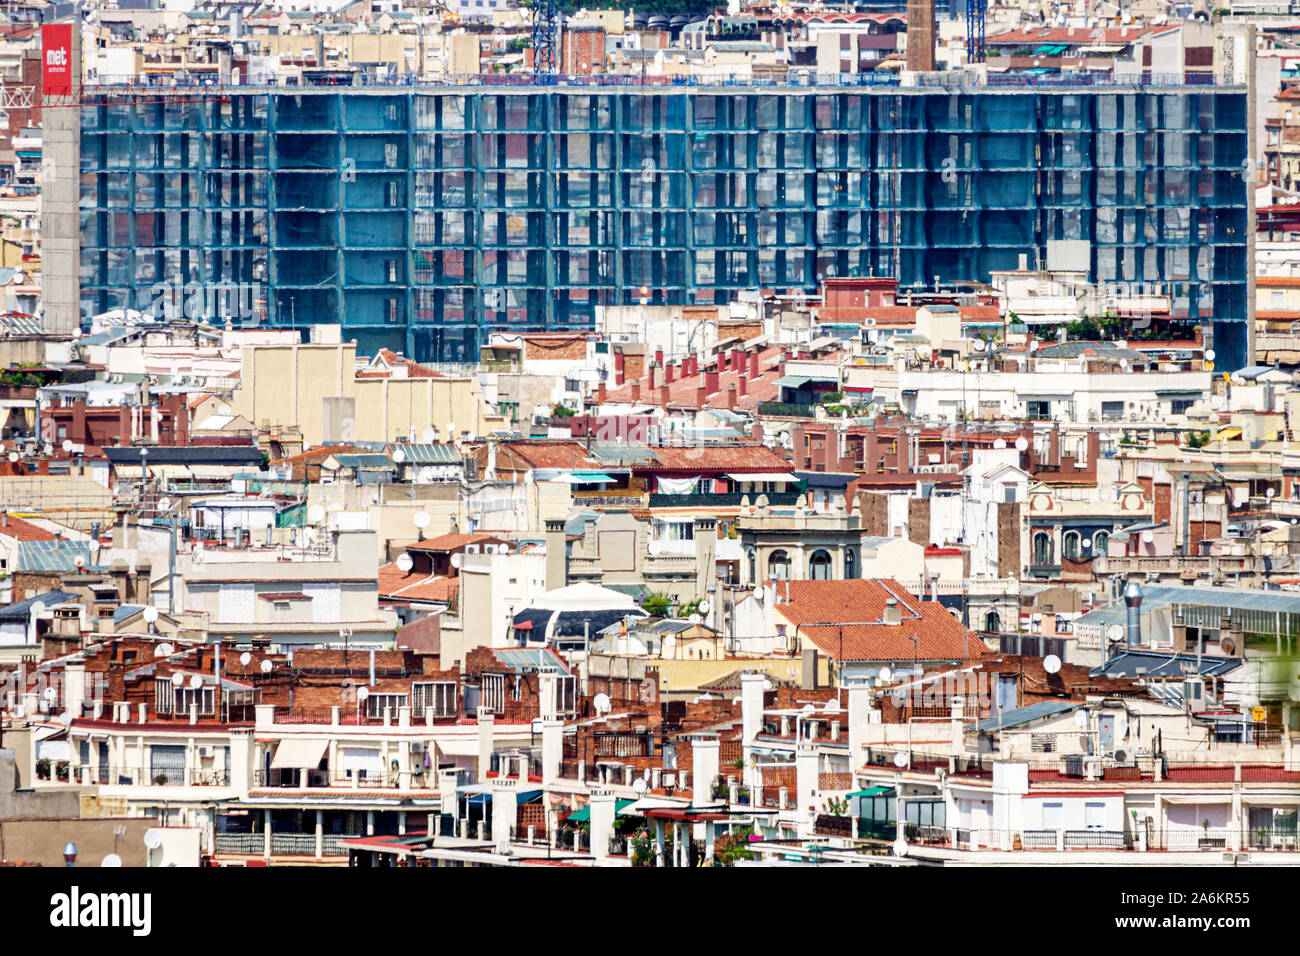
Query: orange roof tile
21	530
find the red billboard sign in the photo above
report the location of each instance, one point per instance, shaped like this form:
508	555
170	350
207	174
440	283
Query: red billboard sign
56	69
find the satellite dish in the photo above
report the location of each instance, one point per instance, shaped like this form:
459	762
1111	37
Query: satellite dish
430	435
195	682
695	619
150	614
760	594
1051	663
266	666
165	650
638	786
886	674
112	860
50	694
363	693
13	457
67	444
421	519
79	561
705	606
315	513
1115	633
1148	537
1227	644
177	679
152	839
245	659
399	456
999	443
451	431
404	563
601	703
900	848
1209	355
164	504
1081	718
1021	444
458	561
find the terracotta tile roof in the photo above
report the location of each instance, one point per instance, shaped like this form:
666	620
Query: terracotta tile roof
684	392
702	458
20	530
389	359
526	454
398	585
452	542
941	636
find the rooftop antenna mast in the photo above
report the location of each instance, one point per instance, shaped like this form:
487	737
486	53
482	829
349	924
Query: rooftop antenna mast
546	19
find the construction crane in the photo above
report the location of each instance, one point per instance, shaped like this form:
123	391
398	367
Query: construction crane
546	21
975	51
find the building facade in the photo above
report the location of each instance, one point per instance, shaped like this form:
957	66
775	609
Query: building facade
421	217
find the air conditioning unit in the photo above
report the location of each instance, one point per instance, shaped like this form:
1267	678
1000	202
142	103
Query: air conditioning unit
206	752
1123	758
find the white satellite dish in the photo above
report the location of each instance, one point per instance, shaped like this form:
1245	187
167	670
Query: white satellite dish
999	443
266	666
404	563
79	561
451	431
430	435
900	760
195	682
50	693
886	674
399	456
760	594
315	513
178	679
1021	444
421	519
112	860
1115	633
165	650
601	703
705	606
245	659
164	504
363	693
900	848
1081	718
1209	355
67	444
695	619
1051	664
152	839
458	561
150	614
13	456
1148	537
638	786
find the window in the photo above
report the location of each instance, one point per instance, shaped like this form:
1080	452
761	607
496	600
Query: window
819	566
778	566
992	622
1042	744
1043	549
203	697
494	693
1110	411
1070	545
850	565
1094	815
1052	815
376	704
1100	543
436	698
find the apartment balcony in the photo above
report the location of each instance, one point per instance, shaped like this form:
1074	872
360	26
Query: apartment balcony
283	844
1170	565
729	500
787	410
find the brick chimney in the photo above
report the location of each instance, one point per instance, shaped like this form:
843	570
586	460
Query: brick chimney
663	395
650	375
659	356
636	390
731	395
601	392
742	383
737	359
756	432
753	365
711	381
669	372
701	397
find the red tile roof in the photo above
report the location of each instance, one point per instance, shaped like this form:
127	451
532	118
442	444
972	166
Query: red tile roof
813	603
17	528
452	542
398	585
702	458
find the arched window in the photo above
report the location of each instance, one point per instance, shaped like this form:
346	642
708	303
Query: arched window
1070	545
992	622
778	566
1100	543
819	566
753	566
1043	549
850	564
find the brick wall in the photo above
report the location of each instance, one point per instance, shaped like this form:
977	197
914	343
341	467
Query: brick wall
1010	560
918	521
874	511
572	348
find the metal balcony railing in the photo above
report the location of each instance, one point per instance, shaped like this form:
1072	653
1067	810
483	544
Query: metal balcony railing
249	844
293	844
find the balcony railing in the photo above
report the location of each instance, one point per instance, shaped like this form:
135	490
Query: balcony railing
293	844
727	500
1095	840
247	844
332	844
787	410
